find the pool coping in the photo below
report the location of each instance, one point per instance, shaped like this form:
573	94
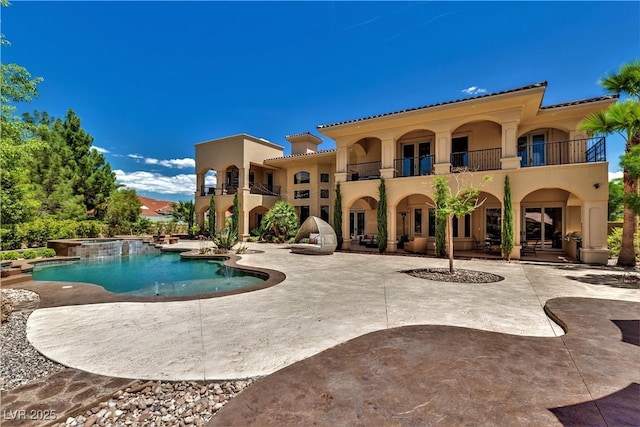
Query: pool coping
58	294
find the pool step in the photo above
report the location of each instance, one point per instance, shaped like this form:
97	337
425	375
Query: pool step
14	279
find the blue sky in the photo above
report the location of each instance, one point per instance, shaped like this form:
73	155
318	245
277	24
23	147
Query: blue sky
151	79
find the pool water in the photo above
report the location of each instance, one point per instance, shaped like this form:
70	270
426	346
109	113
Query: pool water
164	274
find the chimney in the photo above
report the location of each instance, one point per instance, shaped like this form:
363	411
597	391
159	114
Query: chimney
303	143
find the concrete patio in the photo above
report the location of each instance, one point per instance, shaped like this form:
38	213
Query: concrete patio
324	301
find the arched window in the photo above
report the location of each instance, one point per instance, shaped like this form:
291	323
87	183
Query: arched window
302	177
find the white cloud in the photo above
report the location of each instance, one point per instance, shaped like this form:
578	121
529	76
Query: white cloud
474	90
170	163
100	149
614	175
157	183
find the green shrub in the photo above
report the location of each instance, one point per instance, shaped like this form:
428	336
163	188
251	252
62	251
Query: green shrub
614	240
29	254
11	255
46	252
90	229
11	238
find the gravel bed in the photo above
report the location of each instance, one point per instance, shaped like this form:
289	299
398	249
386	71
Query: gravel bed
155	403
459	275
20	363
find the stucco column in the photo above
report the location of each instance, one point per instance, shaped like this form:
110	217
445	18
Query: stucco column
243	178
443	152
200	219
392	234
517	229
388	154
509	158
220	219
594	233
243	217
577	146
199	183
342	156
346	238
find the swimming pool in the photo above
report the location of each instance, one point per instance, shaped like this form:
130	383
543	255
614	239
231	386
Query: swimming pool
164	274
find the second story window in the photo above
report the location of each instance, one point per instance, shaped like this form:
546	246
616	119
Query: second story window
324	177
302	177
301	194
324	193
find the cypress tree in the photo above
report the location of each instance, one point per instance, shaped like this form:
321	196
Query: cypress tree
337	216
212	217
236	215
382	217
507	223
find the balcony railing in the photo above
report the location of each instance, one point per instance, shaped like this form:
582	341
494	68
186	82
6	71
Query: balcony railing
587	150
414	166
256	188
265	189
476	160
214	191
362	171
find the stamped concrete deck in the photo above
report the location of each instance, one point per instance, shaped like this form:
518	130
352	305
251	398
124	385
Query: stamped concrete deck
443	375
324	301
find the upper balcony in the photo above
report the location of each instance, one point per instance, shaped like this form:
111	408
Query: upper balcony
255	188
532	153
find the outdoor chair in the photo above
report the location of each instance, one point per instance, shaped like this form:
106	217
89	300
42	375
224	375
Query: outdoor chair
318	236
526	248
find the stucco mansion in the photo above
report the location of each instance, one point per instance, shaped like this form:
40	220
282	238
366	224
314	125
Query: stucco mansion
558	174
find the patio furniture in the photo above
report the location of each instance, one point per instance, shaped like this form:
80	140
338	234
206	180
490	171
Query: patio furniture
315	237
477	245
526	248
417	245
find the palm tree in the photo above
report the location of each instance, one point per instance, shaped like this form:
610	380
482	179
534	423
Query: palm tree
623	118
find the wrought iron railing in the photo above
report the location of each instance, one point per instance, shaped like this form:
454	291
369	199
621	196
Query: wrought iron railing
362	171
588	150
414	166
256	188
476	160
214	191
265	189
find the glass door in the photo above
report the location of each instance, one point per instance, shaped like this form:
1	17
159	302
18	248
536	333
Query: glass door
424	154
356	224
408	153
543	227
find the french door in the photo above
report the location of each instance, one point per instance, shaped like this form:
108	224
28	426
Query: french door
356	224
543	226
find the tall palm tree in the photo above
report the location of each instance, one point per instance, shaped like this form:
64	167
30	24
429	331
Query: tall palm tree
623	118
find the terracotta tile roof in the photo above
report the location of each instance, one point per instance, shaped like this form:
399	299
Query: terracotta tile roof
580	101
153	207
532	86
331	150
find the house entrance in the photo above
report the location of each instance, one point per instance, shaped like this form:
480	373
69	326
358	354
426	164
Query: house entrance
356	224
543	226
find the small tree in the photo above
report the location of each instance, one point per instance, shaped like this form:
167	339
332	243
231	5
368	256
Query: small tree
236	215
459	202
382	217
507	223
212	217
123	211
441	194
337	216
280	222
